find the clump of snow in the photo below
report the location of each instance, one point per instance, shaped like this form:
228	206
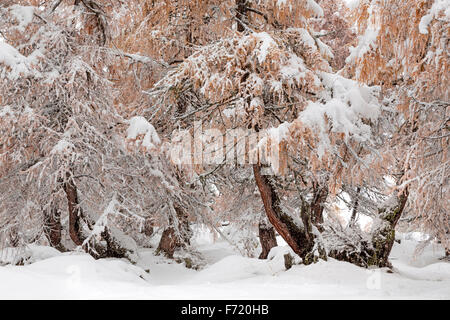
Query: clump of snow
61	147
6	110
294	68
279	133
23	14
306	37
315	8
324	49
437	7
13	59
29	254
366	42
140	126
276	255
352	4
345	106
266	44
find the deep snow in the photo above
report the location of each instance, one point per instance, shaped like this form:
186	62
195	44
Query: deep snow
226	276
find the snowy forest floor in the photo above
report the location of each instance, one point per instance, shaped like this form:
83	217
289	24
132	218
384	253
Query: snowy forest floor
227	275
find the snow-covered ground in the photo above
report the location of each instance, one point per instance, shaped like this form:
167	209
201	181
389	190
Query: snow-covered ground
227	275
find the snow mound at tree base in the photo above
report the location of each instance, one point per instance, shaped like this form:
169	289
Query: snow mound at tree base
30	254
228	276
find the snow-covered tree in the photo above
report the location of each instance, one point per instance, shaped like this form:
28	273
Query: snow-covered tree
66	149
271	74
403	46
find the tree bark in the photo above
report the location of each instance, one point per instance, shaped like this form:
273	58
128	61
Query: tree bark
75	212
148	227
172	240
376	251
383	240
53	228
300	239
241	14
355	207
168	243
13	237
266	238
317	205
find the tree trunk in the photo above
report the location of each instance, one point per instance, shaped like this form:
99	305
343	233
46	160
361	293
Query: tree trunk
300	239
148	227
168	243
171	239
95	248
376	251
355	208
266	238
317	205
241	14
74	212
383	240
53	228
13	236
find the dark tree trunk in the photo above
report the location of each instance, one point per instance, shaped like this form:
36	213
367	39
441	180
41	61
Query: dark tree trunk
53	228
300	239
172	240
317	205
241	14
75	213
266	238
383	240
168	243
96	249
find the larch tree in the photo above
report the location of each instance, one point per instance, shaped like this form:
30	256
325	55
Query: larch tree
66	149
250	116
403	47
271	75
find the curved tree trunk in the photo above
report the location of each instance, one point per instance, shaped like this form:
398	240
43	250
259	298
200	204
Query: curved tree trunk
76	217
300	238
266	238
383	239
